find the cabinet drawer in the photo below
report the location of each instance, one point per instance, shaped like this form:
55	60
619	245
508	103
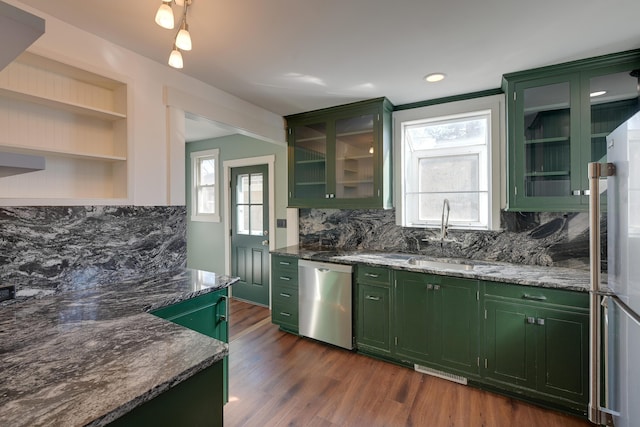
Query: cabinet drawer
373	275
284	266
534	294
285	295
284	313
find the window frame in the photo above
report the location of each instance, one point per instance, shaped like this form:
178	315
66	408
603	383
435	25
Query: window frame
196	158
495	106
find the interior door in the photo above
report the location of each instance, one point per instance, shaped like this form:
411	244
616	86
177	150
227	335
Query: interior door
249	233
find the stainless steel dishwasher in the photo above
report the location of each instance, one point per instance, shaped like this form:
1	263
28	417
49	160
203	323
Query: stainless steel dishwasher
325	298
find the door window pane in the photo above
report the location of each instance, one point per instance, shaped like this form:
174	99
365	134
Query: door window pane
257	226
243	189
243	219
256	188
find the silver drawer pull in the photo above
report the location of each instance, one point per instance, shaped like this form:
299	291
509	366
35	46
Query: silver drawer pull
372	298
285	278
534	297
285	314
285	263
375	276
282	294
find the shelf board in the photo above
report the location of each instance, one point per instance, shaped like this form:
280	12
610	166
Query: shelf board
311	183
23	149
311	138
551	173
547	140
62	105
355	183
357	132
363	156
600	135
306	162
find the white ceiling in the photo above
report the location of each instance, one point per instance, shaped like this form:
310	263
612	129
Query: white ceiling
290	56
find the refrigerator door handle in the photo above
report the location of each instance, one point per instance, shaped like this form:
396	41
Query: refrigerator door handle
595	172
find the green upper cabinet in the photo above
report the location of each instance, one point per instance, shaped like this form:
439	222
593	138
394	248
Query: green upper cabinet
558	118
341	157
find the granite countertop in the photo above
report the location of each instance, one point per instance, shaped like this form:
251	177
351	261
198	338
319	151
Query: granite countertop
87	356
529	275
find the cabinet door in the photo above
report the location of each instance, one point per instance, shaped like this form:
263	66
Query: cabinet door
207	314
355	150
562	357
544	144
456	323
308	161
413	308
372	330
510	343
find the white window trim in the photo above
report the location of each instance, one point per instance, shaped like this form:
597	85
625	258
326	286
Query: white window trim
496	155
195	216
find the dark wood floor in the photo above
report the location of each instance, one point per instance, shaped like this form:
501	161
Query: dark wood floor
278	379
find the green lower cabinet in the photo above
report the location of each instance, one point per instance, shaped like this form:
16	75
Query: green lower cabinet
373	319
207	314
284	292
538	348
193	402
436	322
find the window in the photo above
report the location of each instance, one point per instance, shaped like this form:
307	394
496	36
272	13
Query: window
204	195
449	151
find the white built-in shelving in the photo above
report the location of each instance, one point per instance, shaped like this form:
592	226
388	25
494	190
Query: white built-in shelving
77	120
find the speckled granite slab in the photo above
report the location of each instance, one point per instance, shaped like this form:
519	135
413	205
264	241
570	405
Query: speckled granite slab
44	249
87	356
529	275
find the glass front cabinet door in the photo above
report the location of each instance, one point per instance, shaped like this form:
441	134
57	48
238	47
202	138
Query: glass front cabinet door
558	119
341	157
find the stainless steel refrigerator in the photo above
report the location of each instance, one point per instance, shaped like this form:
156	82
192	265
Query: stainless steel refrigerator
615	304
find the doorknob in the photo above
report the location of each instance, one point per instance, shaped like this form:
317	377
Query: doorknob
265	242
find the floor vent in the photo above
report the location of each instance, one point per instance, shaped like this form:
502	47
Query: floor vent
444	375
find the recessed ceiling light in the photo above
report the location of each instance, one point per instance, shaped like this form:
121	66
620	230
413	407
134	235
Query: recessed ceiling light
598	93
434	77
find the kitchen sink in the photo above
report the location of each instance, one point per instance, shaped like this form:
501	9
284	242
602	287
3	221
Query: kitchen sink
451	264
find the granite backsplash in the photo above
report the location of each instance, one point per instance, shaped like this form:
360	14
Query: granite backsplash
53	247
547	239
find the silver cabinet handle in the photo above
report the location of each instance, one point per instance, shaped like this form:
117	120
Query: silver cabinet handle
531	320
224	317
323	270
429	286
375	276
282	294
284	263
285	314
285	278
436	287
540	321
372	298
534	297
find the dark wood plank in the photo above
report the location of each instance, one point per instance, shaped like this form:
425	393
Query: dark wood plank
278	379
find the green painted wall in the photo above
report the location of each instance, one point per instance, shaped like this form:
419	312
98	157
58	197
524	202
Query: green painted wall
205	240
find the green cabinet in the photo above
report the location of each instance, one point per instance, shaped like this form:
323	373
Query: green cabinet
207	314
436	322
284	292
373	310
536	343
193	402
557	121
340	157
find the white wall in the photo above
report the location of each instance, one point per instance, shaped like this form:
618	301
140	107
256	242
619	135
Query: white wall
149	80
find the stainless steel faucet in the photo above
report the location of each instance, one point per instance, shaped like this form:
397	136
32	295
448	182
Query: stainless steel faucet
444	225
